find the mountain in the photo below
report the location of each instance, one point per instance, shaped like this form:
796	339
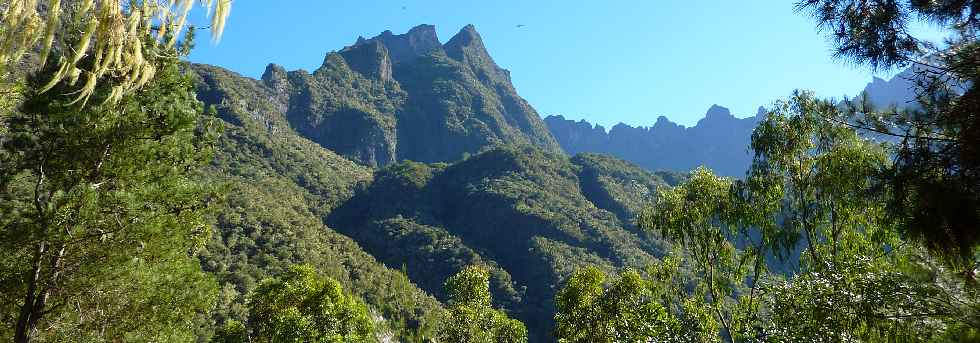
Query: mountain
408	97
279	186
900	90
394	234
401	160
719	141
319	170
896	91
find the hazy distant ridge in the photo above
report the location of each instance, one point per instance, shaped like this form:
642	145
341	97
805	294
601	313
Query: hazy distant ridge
719	141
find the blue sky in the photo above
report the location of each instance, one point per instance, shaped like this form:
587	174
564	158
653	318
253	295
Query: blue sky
603	61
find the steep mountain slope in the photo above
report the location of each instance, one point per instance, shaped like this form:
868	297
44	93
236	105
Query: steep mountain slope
520	210
408	97
279	186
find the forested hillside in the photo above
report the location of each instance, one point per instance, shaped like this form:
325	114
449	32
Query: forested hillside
279	187
403	191
522	211
426	220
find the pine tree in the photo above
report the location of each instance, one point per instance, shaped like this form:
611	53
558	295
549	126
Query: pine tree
101	213
936	177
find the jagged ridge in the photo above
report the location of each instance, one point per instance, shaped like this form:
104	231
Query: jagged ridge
719	141
409	97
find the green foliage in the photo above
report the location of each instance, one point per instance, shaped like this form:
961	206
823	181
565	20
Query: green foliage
300	306
616	185
936	175
418	215
430	254
627	311
861	301
811	187
701	216
101	214
812	179
470	317
278	188
233	332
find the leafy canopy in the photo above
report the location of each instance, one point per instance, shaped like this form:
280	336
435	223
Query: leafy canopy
936	175
470	317
101	214
301	306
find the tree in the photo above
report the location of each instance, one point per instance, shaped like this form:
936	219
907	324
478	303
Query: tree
115	34
936	175
703	217
470	316
98	204
101	214
815	183
301	306
631	309
811	199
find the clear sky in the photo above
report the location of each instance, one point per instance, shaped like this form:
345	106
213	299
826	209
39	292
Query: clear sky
604	61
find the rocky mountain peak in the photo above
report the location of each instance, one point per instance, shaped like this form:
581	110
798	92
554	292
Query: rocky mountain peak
898	91
664	123
718	112
371	58
467	47
466	36
466	42
418	41
276	77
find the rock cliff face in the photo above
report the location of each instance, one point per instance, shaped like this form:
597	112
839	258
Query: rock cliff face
407	97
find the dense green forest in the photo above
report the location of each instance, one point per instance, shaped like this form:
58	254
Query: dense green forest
404	192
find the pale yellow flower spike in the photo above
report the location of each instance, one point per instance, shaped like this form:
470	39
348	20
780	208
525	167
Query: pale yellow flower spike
85	7
58	76
164	15
183	9
54	14
207	7
87	89
113	34
221	11
83	43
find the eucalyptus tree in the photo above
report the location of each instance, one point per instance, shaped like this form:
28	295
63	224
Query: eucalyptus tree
301	306
592	307
470	317
809	198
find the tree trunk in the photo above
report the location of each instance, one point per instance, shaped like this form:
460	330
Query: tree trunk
35	300
22	333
